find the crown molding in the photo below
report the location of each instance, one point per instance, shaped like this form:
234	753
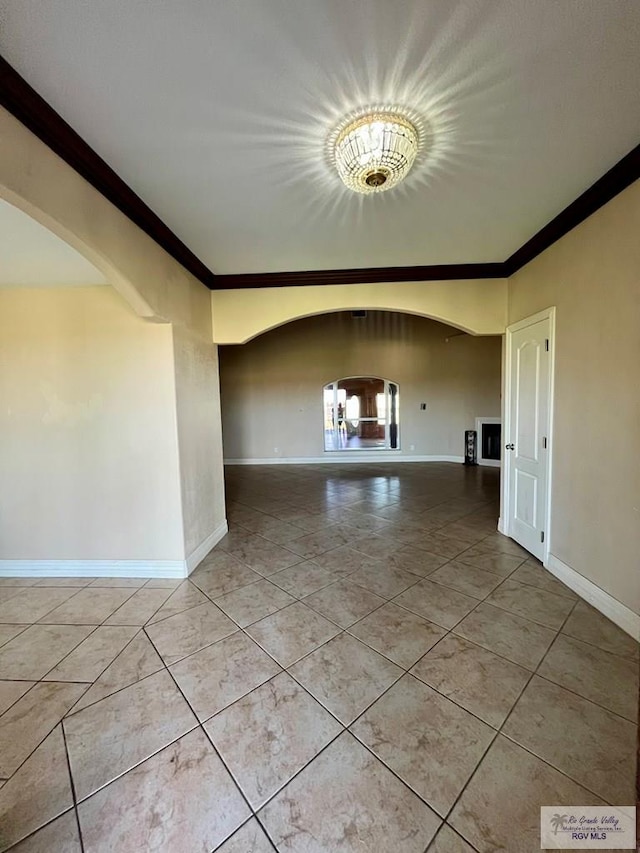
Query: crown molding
20	99
23	102
367	275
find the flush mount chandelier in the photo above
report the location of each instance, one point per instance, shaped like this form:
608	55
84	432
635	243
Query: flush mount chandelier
375	151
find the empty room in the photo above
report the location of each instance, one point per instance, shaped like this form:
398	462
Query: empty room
319	334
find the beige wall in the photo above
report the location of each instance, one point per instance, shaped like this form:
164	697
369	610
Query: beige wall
39	182
199	436
592	275
272	386
89	454
478	307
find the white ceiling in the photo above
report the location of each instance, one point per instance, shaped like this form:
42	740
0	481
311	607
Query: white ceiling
31	255
216	114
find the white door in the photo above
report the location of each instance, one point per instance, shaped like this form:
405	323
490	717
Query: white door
527	439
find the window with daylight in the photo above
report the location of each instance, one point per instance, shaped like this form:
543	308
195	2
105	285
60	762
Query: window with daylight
361	413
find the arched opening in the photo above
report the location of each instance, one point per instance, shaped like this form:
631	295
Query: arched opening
361	413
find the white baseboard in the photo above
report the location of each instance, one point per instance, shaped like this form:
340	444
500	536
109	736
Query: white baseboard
344	456
501	527
93	568
113	568
607	605
197	556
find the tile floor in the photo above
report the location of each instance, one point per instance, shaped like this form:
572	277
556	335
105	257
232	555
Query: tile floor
362	664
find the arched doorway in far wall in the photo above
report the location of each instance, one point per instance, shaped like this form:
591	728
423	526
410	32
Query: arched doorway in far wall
361	413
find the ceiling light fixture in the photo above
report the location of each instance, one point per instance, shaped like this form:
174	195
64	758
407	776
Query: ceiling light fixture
375	151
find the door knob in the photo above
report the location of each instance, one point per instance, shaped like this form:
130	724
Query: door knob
510	446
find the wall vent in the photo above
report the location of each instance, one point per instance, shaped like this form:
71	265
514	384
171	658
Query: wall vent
358	315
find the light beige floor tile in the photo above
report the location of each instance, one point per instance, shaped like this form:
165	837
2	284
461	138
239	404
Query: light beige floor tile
376	547
600	751
437	603
384	580
448	841
363	521
304	578
540	606
33	652
253	602
31	719
467	532
38	792
520	640
446	546
124	583
189	631
185	596
17	581
467	579
33	603
343	561
248	839
7	592
89	606
431	743
343	602
164	583
8	632
112	736
77	582
532	573
138	609
345	676
498	543
59	836
416	560
398	634
500	807
477	679
88	660
263	556
11	691
222	573
406	530
604	678
215	677
500	564
586	624
292	632
274	529
135	662
314	544
269	735
180	799
371	810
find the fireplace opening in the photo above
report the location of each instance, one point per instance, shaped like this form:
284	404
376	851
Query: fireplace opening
490	442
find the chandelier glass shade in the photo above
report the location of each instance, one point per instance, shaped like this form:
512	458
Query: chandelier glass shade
375	152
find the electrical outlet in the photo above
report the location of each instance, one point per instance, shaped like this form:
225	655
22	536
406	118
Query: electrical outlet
412	447
276	450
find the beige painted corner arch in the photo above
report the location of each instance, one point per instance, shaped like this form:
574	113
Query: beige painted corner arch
475	306
41	184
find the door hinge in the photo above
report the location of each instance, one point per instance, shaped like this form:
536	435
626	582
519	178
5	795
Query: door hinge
546	344
544	442
542	536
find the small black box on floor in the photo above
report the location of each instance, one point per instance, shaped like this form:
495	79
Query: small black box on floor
470	447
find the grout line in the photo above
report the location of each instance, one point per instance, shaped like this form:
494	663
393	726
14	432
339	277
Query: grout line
73	785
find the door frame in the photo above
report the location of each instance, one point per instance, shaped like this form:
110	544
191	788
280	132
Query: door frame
506	458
